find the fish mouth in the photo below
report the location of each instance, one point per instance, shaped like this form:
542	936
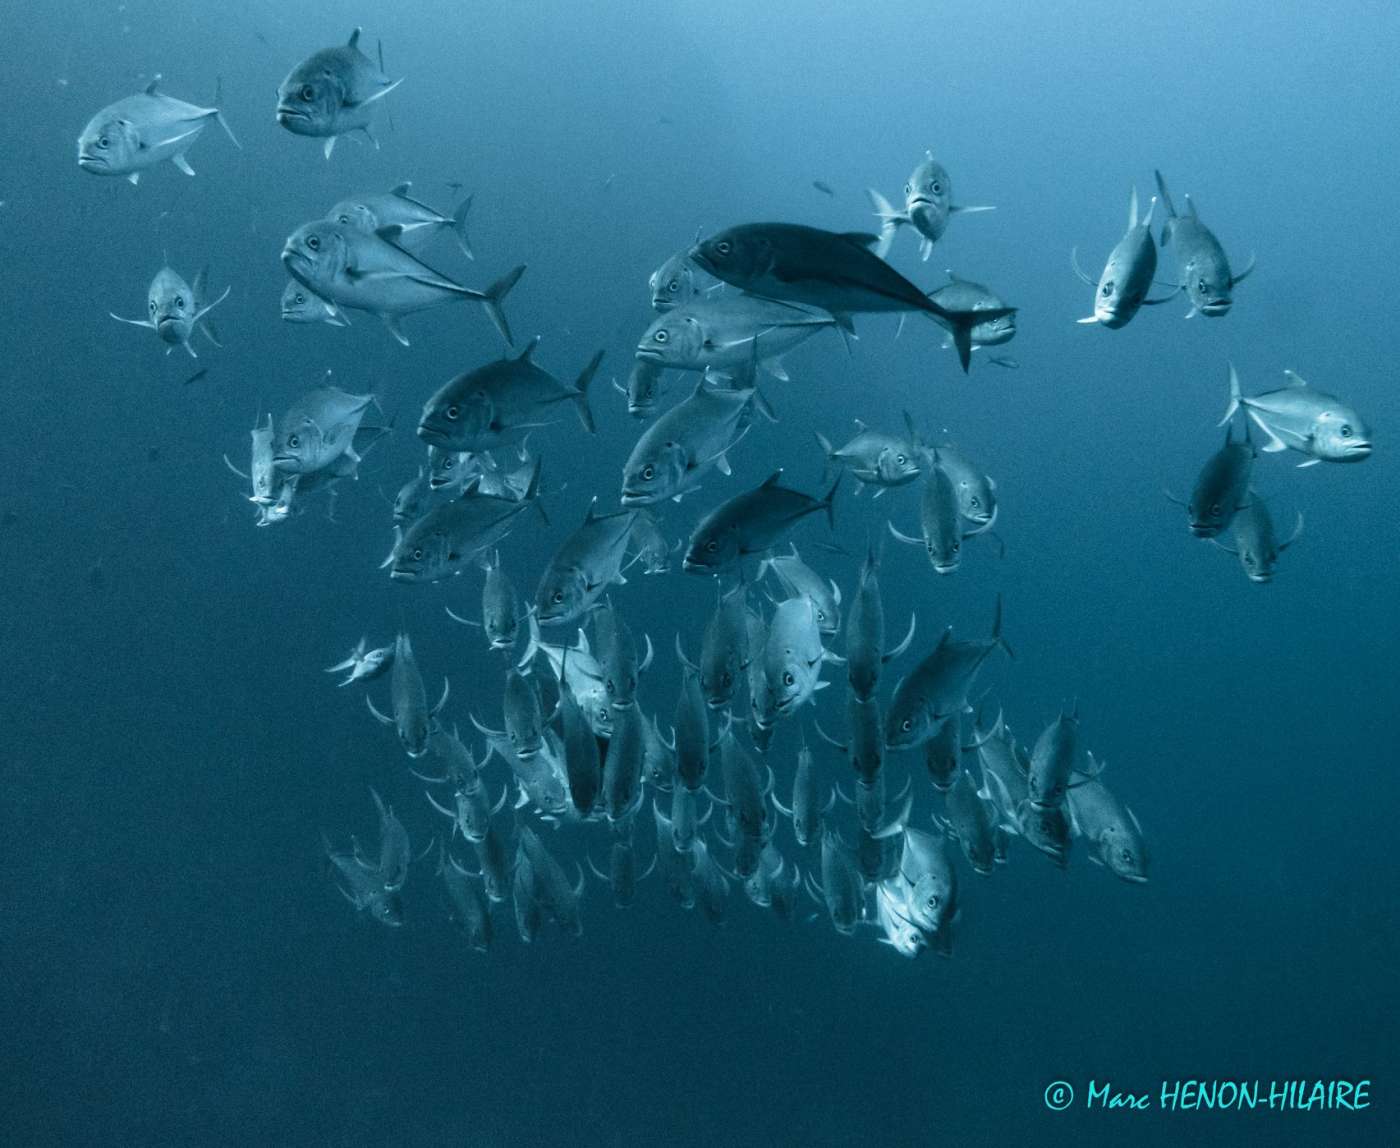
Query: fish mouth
403	575
289	112
945	567
431	434
165	321
1356	451
93	162
634	498
1135	878
918	201
650	355
1262	577
1216	307
1204	529
694	566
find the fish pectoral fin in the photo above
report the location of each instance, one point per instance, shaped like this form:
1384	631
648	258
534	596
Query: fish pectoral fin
329	146
1079	271
1245	274
381	718
391	322
906	539
1090	319
379	95
1165	298
198	315
182	163
1275	443
1309	462
135	323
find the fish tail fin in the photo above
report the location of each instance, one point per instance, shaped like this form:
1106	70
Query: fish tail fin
218	112
532	492
1234	403
997	635
890	220
830	501
496	295
962	323
459	227
585	415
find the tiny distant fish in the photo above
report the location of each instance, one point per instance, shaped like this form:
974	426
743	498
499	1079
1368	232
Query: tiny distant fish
823	187
199	374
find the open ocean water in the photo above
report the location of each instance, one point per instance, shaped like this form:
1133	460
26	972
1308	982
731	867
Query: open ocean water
176	966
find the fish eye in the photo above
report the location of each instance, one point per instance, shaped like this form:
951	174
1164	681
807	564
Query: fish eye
608	685
558	597
899	458
908	188
974	501
153	306
103	141
1346	430
821	615
294	441
180	301
313	242
452	412
648	473
788	679
300	297
724	247
1215	508
673	286
907	724
661	336
308	93
1107	289
712	545
1200	284
418	554
934	186
449	462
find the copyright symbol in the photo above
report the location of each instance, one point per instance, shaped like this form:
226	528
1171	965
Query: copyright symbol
1059	1096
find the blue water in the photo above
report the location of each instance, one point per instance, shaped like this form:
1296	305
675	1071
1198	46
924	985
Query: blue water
176	965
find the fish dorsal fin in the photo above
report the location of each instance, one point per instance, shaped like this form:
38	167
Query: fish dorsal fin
355	38
952	276
592	511
1133	208
1151	211
152	86
772	479
401	190
1294	379
1191	207
861	238
527	355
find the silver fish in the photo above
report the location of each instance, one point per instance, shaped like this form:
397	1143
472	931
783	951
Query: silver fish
318	431
681	446
1201	261
412	720
865	631
447	538
175	309
413	220
371	273
300	304
1297	417
501	402
939	686
877	459
673	283
364	665
1222	487
928	206
729	334
332	93
800	581
143	130
1121	290
586	563
751	523
1256	544
469	910
1111	829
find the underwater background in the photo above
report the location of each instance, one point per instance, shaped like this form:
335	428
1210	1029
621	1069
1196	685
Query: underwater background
175	964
